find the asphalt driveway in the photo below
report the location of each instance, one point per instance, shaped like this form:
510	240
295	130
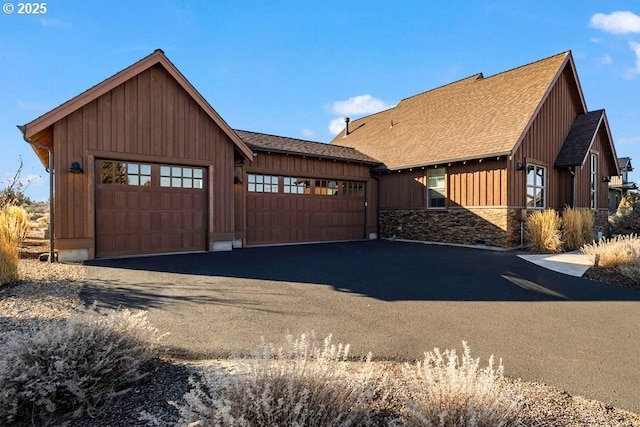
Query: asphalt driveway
394	299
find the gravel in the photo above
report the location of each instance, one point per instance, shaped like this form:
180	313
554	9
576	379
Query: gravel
50	292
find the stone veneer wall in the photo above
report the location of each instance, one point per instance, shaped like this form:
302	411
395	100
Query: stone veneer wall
494	226
601	221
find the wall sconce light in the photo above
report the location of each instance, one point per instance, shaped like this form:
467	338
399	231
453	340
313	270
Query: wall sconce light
606	179
75	168
521	166
237	180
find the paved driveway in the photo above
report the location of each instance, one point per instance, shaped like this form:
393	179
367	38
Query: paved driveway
394	299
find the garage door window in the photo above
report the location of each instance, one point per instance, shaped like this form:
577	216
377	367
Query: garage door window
122	173
326	187
353	189
262	184
296	185
181	177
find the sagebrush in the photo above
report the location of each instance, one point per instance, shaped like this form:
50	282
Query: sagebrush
73	366
448	391
300	383
542	231
627	216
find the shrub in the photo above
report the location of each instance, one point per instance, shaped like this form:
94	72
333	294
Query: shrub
576	227
627	217
13	228
297	384
542	231
611	253
73	365
444	391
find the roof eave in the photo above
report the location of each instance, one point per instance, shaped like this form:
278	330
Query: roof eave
448	161
313	155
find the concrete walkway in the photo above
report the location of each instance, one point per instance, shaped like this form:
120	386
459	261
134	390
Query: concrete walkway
571	263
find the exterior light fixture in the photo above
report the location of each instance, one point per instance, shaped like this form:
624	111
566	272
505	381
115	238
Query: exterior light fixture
606	179
75	168
237	180
521	166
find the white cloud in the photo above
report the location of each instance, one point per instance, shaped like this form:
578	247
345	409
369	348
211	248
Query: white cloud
606	59
45	22
620	22
336	125
594	40
308	133
628	140
361	104
632	72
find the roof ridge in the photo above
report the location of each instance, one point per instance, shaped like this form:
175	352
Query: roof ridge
477	76
528	64
307	141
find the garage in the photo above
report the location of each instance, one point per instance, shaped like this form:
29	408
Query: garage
283	209
146	208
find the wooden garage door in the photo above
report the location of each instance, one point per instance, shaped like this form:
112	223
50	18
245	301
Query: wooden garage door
144	208
290	209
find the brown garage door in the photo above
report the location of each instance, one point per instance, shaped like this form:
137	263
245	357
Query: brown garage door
144	208
290	209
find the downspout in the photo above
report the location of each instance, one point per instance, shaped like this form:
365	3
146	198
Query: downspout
23	130
573	186
377	180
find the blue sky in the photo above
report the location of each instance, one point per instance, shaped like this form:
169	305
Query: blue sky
295	68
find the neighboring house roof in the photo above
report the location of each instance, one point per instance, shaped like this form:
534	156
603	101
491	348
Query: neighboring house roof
473	118
35	129
576	146
281	144
625	164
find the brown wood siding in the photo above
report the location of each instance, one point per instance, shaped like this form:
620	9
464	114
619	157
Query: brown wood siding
311	218
583	174
543	142
149	116
472	184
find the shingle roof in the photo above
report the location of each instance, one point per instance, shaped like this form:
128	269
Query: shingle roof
281	144
578	142
476	117
625	163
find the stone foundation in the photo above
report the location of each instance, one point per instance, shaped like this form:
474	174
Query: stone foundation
493	226
601	222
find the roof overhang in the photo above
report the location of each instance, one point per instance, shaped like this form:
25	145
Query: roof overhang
40	127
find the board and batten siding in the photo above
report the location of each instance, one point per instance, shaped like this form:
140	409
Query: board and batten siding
583	174
543	142
149	118
475	183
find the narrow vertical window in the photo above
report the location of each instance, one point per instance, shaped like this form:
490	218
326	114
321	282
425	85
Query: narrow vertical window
536	187
594	181
436	188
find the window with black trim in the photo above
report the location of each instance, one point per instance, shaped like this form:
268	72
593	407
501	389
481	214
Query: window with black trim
262	183
536	187
296	185
136	174
353	188
326	187
436	188
181	177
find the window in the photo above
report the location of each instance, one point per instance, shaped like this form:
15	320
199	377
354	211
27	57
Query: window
326	187
296	185
122	173
436	188
536	186
181	177
353	189
594	181
262	184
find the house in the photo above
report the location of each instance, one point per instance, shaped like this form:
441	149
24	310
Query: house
465	162
620	185
141	163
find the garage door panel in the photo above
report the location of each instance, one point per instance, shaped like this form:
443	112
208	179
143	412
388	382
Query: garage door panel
142	219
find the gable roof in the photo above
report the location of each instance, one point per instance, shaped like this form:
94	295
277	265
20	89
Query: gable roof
281	144
625	164
576	146
472	118
32	129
